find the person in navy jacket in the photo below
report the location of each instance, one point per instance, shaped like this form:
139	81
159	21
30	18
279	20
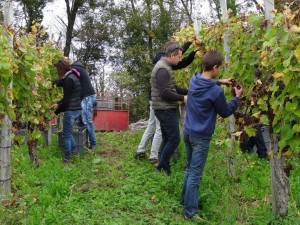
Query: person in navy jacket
205	101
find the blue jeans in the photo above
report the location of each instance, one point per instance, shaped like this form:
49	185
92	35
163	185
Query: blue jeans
87	105
170	136
68	138
196	154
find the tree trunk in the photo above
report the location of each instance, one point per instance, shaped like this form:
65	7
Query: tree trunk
32	149
5	158
279	180
72	13
47	134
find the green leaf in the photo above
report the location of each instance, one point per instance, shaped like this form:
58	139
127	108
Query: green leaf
96	161
36	134
296	128
250	131
286	132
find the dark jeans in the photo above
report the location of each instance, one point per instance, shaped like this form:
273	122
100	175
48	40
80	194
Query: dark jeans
257	141
170	136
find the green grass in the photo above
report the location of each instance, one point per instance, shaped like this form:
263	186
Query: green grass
109	187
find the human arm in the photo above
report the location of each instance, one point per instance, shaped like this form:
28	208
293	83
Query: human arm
186	46
181	91
185	61
68	85
223	108
163	84
59	82
227	81
190	57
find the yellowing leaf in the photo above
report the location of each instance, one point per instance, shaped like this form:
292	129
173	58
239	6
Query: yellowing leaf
33	29
295	28
256	115
259	82
238	133
270	154
288	153
297	55
278	74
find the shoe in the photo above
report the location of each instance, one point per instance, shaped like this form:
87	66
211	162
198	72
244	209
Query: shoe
196	217
67	160
139	156
93	147
154	162
168	172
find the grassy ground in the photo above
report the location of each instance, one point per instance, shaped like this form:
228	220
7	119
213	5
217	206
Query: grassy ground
109	187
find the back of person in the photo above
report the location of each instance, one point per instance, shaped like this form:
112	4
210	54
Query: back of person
85	81
202	113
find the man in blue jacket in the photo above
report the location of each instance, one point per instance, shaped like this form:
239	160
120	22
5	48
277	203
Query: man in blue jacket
205	100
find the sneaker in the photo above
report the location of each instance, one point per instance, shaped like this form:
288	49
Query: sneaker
154	162
93	147
67	160
168	172
196	217
139	156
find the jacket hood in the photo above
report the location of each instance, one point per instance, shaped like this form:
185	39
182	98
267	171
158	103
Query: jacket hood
199	85
79	64
157	57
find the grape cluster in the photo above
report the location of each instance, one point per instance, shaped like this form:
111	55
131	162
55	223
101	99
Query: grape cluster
245	119
234	84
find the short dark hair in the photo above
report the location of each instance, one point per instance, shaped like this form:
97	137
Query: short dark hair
172	48
211	59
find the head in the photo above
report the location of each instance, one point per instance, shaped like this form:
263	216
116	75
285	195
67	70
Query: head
63	66
211	62
173	52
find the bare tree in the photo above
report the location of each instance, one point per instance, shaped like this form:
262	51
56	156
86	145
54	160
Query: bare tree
72	10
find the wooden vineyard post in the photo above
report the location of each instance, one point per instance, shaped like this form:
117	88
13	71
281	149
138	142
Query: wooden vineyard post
5	158
279	180
230	125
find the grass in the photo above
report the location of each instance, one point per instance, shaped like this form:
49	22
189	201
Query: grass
109	187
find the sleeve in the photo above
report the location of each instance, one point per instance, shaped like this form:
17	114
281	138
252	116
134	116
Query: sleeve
181	91
58	83
223	108
186	46
68	85
185	61
163	84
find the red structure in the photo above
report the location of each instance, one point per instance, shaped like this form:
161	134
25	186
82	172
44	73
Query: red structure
112	111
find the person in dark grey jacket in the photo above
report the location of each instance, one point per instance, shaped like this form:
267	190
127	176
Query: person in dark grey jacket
70	104
88	99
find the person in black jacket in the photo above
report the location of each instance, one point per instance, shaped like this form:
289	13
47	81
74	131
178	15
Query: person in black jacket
70	104
88	99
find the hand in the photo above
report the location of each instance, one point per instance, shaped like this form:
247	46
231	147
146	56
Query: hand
238	91
198	41
54	106
197	49
227	81
185	99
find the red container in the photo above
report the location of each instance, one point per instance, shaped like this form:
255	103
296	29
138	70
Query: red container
112	111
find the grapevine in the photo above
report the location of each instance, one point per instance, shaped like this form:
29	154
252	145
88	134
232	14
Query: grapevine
267	64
